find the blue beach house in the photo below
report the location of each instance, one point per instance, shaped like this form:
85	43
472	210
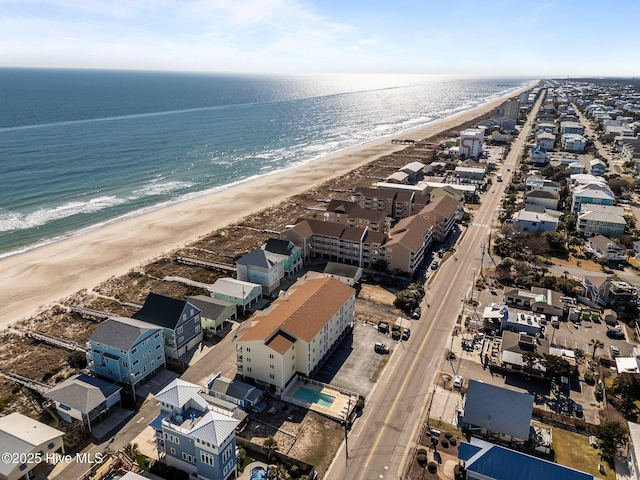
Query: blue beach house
291	254
179	320
193	435
125	350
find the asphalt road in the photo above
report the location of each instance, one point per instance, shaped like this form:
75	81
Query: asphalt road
379	442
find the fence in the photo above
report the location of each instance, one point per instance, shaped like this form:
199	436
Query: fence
258	452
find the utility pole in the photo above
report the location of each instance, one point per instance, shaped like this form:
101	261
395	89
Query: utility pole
346	437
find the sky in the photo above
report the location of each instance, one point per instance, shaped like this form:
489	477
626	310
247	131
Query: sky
542	39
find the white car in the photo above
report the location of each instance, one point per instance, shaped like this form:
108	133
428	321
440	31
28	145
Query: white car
458	381
615	351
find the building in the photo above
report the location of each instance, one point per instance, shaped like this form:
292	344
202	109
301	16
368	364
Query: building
470	143
537	183
290	254
470	173
597	168
571	127
262	268
541	197
539	156
337	243
497	413
633	453
23	438
353	215
408	242
603	247
414	171
591	193
484	460
538	300
510	109
194	436
297	333
398	177
515	344
374	199
529	222
125	350
610	292
179	320
572	142
234	391
443	211
347	274
546	141
84	398
214	313
243	294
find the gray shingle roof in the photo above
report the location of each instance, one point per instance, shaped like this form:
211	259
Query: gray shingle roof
118	334
281	247
498	409
209	307
82	392
258	258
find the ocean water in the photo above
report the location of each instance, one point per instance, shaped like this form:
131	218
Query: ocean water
79	149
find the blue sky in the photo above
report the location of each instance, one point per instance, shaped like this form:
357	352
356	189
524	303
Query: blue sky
459	37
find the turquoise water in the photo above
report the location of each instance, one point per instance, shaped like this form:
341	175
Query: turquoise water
313	396
258	473
81	148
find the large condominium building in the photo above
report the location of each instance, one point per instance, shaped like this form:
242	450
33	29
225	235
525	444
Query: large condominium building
410	239
470	143
353	215
296	333
443	212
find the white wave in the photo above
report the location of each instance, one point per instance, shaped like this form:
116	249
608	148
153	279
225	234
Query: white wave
10	221
158	189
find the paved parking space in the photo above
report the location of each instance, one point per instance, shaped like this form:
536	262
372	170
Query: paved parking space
354	361
570	336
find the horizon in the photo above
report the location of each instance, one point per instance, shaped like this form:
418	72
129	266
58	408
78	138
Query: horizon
306	37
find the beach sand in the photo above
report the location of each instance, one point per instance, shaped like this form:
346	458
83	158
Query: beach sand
35	279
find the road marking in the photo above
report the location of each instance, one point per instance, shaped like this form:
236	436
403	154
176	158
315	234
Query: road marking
361	423
413	364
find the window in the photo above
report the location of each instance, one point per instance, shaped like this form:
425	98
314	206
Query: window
158	357
272	366
197	328
248	349
271	355
249	369
156	335
249	359
181	339
135	362
173	451
206	458
134	351
179	330
158	347
272	376
189	458
125	364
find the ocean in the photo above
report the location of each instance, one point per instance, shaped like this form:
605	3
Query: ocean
82	148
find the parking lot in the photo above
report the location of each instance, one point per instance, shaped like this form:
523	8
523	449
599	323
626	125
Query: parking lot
571	336
354	361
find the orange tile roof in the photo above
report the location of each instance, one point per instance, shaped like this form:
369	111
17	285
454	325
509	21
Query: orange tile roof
302	312
281	342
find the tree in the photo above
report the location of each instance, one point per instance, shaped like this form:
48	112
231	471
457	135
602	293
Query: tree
612	436
270	445
131	451
556	367
531	359
627	387
596	344
409	299
277	472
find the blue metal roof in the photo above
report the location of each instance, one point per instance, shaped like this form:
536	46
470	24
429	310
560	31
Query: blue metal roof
156	423
466	451
502	463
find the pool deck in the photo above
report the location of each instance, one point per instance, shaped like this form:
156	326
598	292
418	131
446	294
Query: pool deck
246	475
337	409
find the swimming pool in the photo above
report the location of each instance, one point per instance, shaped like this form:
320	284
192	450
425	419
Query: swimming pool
258	473
313	396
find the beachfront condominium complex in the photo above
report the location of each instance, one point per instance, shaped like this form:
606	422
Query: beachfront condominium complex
470	143
193	435
296	333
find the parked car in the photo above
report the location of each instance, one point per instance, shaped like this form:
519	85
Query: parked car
383	327
615	334
577	410
416	313
434	265
380	348
406	333
458	381
615	351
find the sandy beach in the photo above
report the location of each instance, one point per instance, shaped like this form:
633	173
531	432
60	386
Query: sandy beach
33	280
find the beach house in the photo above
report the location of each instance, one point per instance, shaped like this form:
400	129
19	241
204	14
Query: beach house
243	294
603	247
214	313
605	220
194	436
593	193
297	332
125	350
84	398
262	268
179	320
23	441
291	254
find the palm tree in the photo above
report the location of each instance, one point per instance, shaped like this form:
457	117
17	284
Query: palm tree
276	472
131	451
596	345
270	444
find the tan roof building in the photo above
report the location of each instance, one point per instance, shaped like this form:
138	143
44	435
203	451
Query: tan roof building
296	333
353	215
375	199
409	240
443	212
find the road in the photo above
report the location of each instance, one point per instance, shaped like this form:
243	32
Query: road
380	441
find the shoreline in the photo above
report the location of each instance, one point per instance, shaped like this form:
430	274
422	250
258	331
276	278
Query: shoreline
36	278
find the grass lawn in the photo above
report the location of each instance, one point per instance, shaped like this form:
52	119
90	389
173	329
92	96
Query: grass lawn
573	450
445	427
573	263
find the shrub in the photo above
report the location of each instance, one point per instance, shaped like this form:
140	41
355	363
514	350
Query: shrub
432	467
422	459
588	377
422	451
158	468
77	360
448	435
50	373
453	442
395	334
445	443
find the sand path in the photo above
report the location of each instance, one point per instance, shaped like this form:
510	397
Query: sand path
33	280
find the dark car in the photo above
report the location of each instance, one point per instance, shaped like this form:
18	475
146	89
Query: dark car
615	334
406	333
380	348
383	327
